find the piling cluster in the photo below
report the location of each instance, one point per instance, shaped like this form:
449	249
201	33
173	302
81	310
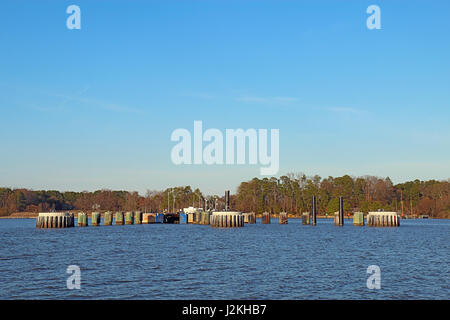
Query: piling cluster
54	220
227	219
383	219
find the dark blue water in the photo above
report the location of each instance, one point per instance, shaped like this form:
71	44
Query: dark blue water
199	262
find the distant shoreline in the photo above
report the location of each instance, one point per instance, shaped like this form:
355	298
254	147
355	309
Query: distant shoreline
33	215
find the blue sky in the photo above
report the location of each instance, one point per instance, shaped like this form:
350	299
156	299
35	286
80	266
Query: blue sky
94	108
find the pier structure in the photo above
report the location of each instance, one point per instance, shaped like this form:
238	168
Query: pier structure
383	219
54	220
194	215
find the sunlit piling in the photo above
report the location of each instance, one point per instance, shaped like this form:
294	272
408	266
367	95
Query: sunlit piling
129	219
283	218
54	220
95	218
118	219
249	217
358	219
339	218
138	217
107	220
383	219
205	217
227	219
305	218
265	219
197	217
82	219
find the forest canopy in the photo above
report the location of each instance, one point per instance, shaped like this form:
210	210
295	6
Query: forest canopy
291	193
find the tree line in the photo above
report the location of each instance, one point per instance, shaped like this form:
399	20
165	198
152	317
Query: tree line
291	193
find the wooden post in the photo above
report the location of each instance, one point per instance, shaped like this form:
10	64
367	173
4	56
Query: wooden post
107	220
95	218
314	211
119	218
283	218
265	218
341	211
305	218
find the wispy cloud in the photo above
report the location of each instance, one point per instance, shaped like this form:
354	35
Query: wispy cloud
257	99
345	110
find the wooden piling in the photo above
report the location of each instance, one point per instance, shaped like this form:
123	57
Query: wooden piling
119	218
129	217
82	219
107	220
341	211
283	218
358	219
138	217
314	211
265	218
95	218
305	218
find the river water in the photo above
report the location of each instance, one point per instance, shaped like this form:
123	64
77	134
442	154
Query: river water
274	261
